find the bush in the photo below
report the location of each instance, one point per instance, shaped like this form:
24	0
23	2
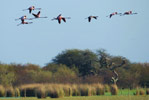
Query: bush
2	91
114	89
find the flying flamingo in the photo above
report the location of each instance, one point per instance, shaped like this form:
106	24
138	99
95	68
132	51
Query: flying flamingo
23	22
129	13
60	17
37	16
115	13
32	8
23	18
90	17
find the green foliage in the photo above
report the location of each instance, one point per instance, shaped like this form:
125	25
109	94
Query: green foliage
85	61
7	75
64	75
77	66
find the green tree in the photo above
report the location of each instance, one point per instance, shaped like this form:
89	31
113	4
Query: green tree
84	60
7	75
64	75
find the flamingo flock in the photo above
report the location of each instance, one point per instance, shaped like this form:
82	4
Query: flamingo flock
60	18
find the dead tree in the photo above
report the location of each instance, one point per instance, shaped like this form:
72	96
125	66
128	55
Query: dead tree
113	67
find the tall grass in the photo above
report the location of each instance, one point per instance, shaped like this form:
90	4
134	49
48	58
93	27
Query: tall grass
114	89
2	91
99	89
57	90
10	92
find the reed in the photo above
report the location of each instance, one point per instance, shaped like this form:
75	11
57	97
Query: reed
10	92
114	89
142	92
99	89
2	91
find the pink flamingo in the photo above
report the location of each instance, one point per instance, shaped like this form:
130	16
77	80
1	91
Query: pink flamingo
37	16
23	22
23	18
112	14
32	8
90	17
60	17
129	13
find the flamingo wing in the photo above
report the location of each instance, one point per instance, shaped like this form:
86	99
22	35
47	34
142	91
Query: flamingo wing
34	15
30	10
38	13
64	19
89	19
95	17
59	21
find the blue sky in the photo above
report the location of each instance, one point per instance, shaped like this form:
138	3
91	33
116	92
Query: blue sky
41	41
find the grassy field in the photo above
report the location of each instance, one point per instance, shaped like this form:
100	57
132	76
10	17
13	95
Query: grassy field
87	98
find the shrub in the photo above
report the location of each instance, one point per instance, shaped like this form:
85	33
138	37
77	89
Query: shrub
114	89
2	91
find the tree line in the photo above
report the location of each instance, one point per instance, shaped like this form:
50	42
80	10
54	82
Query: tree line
79	67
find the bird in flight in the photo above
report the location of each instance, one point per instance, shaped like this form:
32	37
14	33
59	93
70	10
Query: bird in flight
32	8
129	13
37	16
60	17
90	17
112	14
23	22
23	18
